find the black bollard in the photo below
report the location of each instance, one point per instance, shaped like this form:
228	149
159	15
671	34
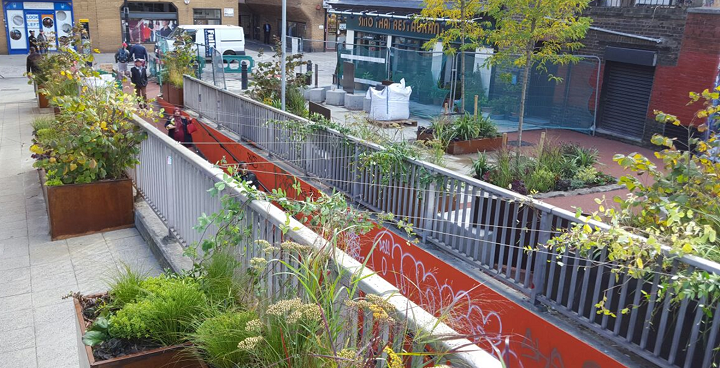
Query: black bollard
316	76
309	66
244	75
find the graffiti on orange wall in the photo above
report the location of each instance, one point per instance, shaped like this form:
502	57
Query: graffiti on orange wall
523	337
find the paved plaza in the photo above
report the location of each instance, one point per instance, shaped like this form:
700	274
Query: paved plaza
38	326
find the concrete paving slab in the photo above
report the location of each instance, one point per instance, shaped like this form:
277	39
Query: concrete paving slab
37	325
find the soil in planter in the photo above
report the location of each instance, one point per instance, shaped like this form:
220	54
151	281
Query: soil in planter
113	348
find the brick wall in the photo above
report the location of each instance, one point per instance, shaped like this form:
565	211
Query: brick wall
696	69
665	23
304	11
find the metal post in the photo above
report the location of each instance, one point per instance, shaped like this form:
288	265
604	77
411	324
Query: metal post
309	66
244	75
316	76
126	16
283	41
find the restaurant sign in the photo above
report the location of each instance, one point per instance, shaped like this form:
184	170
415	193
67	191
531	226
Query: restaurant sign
396	27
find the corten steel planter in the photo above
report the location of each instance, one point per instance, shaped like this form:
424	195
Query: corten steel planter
80	209
173	95
43	101
176	356
474	145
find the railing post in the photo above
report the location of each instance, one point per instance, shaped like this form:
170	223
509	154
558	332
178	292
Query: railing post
541	256
169	191
355	191
430	206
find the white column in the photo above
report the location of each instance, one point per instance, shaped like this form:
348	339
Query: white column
481	56
349	39
437	60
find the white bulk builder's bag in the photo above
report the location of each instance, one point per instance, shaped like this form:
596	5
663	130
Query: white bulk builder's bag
392	103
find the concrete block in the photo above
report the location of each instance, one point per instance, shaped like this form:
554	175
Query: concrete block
316	95
367	102
335	98
354	102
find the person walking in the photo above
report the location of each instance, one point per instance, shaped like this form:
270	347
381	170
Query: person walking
33	62
121	58
139	77
32	41
180	129
42	42
267	29
138	51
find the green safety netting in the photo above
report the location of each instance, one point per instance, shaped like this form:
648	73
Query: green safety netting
569	102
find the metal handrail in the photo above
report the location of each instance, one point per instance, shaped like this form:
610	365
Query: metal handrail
460	214
160	151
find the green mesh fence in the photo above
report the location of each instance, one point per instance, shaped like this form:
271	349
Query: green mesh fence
569	102
371	64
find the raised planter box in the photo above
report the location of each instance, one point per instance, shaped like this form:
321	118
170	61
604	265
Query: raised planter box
80	209
176	356
173	95
43	101
474	145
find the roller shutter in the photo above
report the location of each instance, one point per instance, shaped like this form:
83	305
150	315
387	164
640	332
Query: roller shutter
625	99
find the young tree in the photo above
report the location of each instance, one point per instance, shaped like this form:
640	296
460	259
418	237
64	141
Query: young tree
531	33
461	28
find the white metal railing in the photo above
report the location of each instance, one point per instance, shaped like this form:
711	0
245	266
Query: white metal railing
175	182
487	226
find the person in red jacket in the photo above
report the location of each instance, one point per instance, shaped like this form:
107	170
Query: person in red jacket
180	129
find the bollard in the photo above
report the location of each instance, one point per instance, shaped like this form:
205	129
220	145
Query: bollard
316	76
309	66
244	75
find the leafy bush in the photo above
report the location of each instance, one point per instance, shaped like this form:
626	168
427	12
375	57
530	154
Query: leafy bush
217	338
265	86
481	165
182	60
220	281
675	206
295	101
165	315
94	137
587	174
541	180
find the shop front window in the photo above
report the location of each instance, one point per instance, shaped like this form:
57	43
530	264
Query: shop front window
148	21
206	16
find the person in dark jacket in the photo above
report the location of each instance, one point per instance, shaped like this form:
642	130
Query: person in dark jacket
138	51
139	77
33	62
32	40
177	127
122	56
247	175
266	30
42	42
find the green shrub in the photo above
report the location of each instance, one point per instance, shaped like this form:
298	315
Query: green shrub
580	156
126	287
219	281
481	165
295	102
541	180
469	127
218	337
165	315
586	175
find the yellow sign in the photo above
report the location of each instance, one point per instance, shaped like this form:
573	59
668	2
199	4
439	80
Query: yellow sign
84	20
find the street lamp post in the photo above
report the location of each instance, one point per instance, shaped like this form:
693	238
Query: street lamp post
126	17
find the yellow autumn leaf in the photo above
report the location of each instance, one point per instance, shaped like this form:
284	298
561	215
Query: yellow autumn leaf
639	262
73	167
687	248
103	125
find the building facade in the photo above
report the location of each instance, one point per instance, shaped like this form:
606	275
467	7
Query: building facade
640	56
305	20
109	22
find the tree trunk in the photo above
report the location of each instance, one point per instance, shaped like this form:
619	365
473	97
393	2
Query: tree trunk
523	97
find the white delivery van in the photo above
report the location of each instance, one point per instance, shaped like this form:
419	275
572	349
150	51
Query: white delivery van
229	40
